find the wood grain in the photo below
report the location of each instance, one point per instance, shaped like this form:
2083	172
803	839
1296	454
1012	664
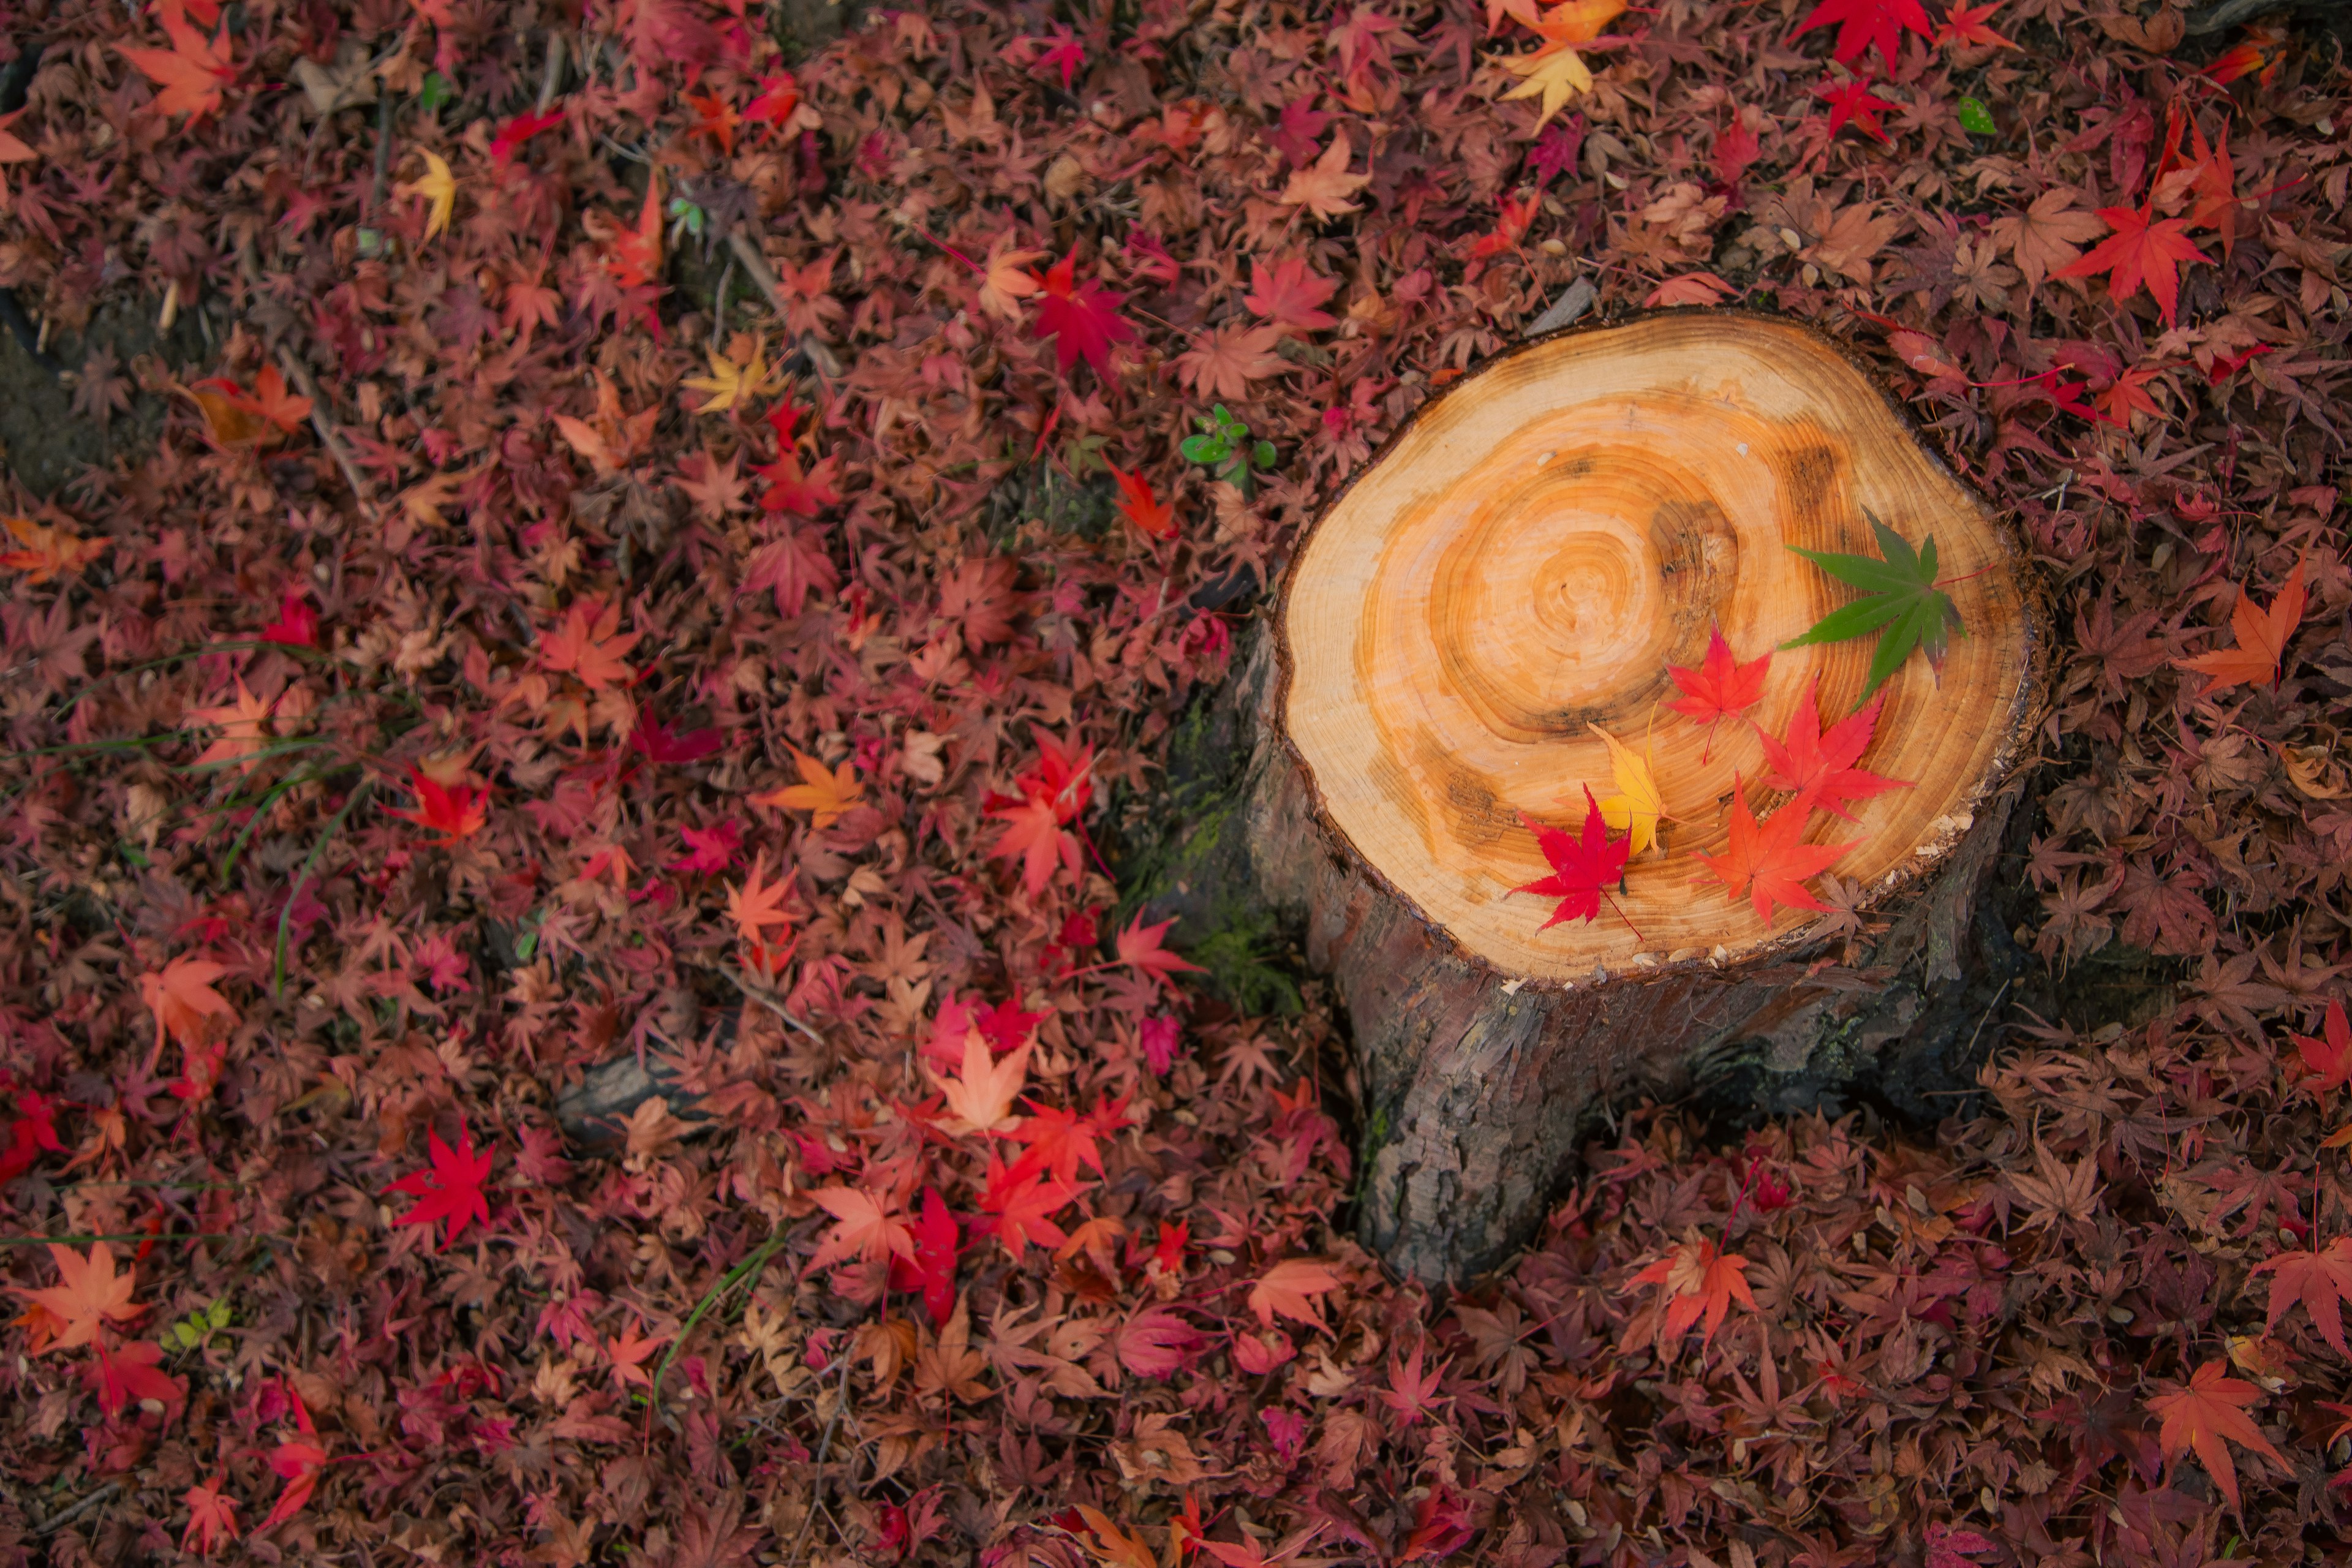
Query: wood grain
1529	555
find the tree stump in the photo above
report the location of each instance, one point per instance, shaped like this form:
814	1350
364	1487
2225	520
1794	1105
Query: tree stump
1518	567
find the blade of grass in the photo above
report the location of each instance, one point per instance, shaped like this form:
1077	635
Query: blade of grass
278	979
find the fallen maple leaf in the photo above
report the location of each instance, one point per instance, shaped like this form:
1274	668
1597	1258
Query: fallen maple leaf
192	72
1080	315
1820	767
2262	636
1558	75
450	1191
1946	1547
2327	1061
1021	1206
629	1353
1289	295
243	734
1852	102
1867	24
1292	1289
1033	830
2204	1417
516	131
1690	288
1770	864
212	1516
49	552
1720	688
2046	237
980	1096
298	1462
2320	1279
1636	806
455	811
438	186
931	1268
1580	867
181	997
1139	946
1698	1285
737	376
754	906
826	794
588	643
864	1228
125	1376
1153	518
1324	186
2142	250
88	1293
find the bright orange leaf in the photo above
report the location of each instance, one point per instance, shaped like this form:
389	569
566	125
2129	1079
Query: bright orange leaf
49	552
2261	638
88	1293
827	795
2204	1417
1698	1284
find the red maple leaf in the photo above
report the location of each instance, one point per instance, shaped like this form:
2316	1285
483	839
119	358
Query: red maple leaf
2326	1063
2207	1414
1582	867
931	1270
710	849
192	72
1810	763
212	1516
133	1373
1862	24
1696	1282
1139	946
1290	295
1852	100
1720	688
1949	1547
1771	863
517	131
32	1133
1060	1140
297	625
451	1190
2142	250
298	1460
1023	1207
1152	517
2320	1278
1062	51
455	811
779	96
1080	315
1034	831
1510	228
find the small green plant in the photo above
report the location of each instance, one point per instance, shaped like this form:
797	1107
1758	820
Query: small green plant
195	1330
1224	446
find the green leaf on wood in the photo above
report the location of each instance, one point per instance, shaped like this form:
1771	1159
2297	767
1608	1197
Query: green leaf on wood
1900	601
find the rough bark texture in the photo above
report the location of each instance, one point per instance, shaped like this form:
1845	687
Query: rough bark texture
1474	1093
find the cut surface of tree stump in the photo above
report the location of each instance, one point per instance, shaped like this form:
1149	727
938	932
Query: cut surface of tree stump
1518	567
1521	566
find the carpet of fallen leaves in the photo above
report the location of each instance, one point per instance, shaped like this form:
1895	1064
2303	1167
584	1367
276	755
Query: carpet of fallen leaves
674	529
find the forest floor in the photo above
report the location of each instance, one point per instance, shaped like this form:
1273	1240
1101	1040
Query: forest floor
542	523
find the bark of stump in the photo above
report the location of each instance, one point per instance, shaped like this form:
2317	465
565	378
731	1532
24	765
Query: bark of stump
1519	564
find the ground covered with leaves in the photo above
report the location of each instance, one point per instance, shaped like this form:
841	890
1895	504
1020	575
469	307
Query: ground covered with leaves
668	526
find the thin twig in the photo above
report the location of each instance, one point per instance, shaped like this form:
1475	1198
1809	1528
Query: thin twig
816	1471
747	251
299	375
550	80
59	1520
767	999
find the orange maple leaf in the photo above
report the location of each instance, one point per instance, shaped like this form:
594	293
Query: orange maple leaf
589	644
242	732
1697	1281
1293	1287
828	796
865	1229
1771	863
88	1294
1033	830
2320	1279
2207	1414
628	1354
49	552
192	72
980	1096
181	997
753	906
637	257
2261	637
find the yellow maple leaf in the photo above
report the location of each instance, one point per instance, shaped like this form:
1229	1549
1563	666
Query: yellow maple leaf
438	186
1636	806
828	796
1557	74
736	376
49	550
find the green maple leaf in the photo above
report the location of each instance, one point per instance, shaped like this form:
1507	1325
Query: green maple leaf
1900	601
